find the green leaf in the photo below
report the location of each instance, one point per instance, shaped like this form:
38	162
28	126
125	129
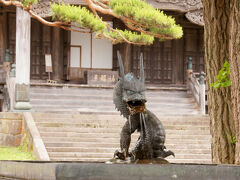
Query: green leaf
223	77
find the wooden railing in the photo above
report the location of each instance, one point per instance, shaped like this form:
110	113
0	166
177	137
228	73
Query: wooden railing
197	87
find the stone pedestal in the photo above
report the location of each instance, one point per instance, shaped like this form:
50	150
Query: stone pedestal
22	97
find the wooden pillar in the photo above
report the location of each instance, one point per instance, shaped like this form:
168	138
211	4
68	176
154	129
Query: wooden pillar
2	49
23	30
2	34
179	66
126	56
57	54
5	30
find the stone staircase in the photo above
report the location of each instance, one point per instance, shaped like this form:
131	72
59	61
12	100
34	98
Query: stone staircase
81	124
91	137
99	100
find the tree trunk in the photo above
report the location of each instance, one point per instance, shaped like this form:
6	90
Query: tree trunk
235	71
217	34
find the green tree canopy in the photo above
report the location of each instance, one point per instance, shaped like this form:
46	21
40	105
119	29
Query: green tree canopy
142	20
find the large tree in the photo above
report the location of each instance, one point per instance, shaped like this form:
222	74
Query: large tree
222	43
235	71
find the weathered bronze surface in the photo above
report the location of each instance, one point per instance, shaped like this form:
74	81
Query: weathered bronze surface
129	98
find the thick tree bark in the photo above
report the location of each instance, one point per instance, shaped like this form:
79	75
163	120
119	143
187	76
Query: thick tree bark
217	34
235	71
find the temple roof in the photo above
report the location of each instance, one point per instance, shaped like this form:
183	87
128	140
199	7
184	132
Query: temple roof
191	8
42	8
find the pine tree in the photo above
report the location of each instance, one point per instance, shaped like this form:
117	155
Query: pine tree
143	22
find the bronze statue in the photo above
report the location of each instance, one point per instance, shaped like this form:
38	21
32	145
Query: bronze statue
129	98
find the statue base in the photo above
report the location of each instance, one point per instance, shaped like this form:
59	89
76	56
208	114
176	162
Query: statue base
138	161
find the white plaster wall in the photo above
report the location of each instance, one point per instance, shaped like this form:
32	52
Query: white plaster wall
75	54
102	54
83	40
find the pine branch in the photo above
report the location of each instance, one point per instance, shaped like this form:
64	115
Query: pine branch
40	19
141	18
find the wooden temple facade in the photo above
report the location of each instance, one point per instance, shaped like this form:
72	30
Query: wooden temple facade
164	62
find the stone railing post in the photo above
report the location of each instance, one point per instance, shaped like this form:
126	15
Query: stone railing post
189	74
9	88
6	63
202	89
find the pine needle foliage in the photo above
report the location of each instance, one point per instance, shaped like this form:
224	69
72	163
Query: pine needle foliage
131	36
137	15
80	15
152	19
28	2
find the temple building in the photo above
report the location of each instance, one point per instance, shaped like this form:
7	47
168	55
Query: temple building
63	81
78	58
74	54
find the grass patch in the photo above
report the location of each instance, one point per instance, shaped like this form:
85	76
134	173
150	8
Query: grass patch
15	153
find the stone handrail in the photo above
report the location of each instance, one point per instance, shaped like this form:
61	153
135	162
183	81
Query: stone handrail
197	87
39	149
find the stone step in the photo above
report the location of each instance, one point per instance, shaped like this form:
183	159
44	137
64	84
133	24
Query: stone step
69	127
119	124
116	135
63	91
189	161
107	143
110	155
97	131
96	149
95	110
113	122
187	147
116	140
80	155
108	104
92	107
105	117
178	148
75	110
80	159
108	97
110	111
195	161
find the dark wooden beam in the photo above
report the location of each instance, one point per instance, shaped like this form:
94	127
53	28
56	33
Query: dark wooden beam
179	63
3	31
125	50
2	48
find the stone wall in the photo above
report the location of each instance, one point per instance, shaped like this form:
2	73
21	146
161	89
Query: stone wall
10	129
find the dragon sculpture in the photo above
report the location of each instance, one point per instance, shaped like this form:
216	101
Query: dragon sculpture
129	98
